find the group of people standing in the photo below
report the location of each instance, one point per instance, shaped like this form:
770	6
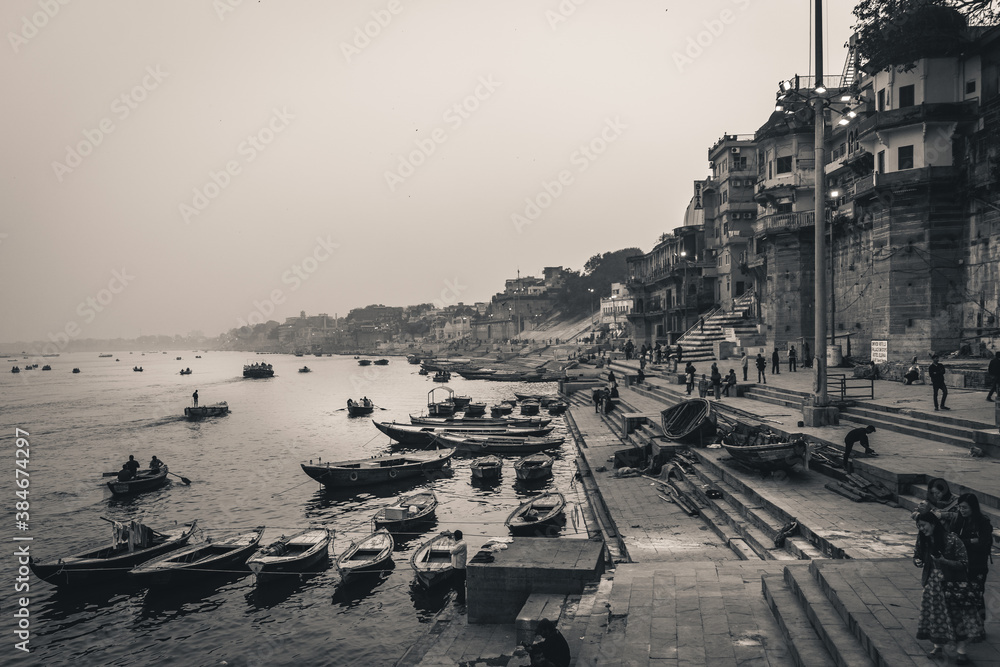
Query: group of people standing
953	548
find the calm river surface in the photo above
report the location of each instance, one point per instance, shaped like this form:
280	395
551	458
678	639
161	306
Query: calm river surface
244	471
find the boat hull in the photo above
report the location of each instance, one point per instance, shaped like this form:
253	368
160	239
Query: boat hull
534	467
431	562
151	482
354	474
498	444
769	458
221	557
543	515
205	411
421	435
369	556
268	567
80	570
692	422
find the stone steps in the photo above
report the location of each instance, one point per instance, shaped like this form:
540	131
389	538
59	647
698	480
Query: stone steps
786	398
810	622
960	433
750	519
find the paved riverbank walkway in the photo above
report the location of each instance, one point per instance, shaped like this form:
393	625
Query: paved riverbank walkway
717	589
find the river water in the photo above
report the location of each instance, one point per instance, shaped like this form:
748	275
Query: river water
244	471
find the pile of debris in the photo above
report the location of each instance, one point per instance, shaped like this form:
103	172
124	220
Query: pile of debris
862	490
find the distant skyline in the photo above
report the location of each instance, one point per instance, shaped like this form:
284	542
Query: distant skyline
179	166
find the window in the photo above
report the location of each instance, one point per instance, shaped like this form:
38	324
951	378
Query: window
725	196
905	157
880	101
739	163
784	208
881	162
906	96
970	87
784	165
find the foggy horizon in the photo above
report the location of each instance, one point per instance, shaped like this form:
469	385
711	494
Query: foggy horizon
178	167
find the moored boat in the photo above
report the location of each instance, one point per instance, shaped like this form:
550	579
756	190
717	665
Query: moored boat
288	555
487	467
144	480
534	422
364	362
557	408
496	444
432	560
368	555
132	543
539	515
759	449
501	409
534	467
46	367
475	409
203	411
381	362
409	511
543	399
689	421
530	407
421	435
198	560
377	470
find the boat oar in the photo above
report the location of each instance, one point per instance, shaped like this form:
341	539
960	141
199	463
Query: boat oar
182	478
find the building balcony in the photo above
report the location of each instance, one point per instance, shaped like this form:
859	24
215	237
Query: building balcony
783	222
943	112
783	185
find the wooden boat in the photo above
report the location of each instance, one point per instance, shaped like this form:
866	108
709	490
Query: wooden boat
497	444
199	560
543	399
538	515
137	369
487	467
112	563
305	369
144	480
501	409
461	402
203	411
423	371
410	511
46	367
15	369
359	408
381	362
475	409
534	466
294	554
558	408
377	470
368	555
438	406
530	407
432	560
421	435
758	449
75	370
689	421
186	371
533	422
441	376
364	362
258	371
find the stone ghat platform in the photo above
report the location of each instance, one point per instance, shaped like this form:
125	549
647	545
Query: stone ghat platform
497	591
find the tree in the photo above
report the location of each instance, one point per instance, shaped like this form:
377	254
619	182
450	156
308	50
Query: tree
897	33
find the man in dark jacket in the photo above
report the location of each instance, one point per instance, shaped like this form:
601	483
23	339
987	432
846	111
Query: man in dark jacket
856	436
761	367
994	373
553	650
775	362
936	373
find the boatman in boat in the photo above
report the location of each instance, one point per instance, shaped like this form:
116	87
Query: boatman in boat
129	469
155	463
195	397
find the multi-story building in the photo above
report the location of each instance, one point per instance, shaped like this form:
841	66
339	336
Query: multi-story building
730	210
674	283
615	309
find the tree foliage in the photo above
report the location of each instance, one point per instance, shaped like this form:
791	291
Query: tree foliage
897	33
581	292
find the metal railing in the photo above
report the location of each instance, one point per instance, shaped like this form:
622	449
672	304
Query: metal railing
840	387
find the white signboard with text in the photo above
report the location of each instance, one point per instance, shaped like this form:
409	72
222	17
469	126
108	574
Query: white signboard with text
880	351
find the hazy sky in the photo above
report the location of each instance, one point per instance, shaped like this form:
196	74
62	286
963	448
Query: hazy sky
173	166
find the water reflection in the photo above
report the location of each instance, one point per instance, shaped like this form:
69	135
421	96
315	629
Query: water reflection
265	595
361	585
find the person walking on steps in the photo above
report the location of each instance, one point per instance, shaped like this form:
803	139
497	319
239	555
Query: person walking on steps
854	437
936	372
994	375
761	367
792	357
775	362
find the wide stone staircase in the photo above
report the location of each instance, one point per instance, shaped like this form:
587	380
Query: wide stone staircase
698	343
